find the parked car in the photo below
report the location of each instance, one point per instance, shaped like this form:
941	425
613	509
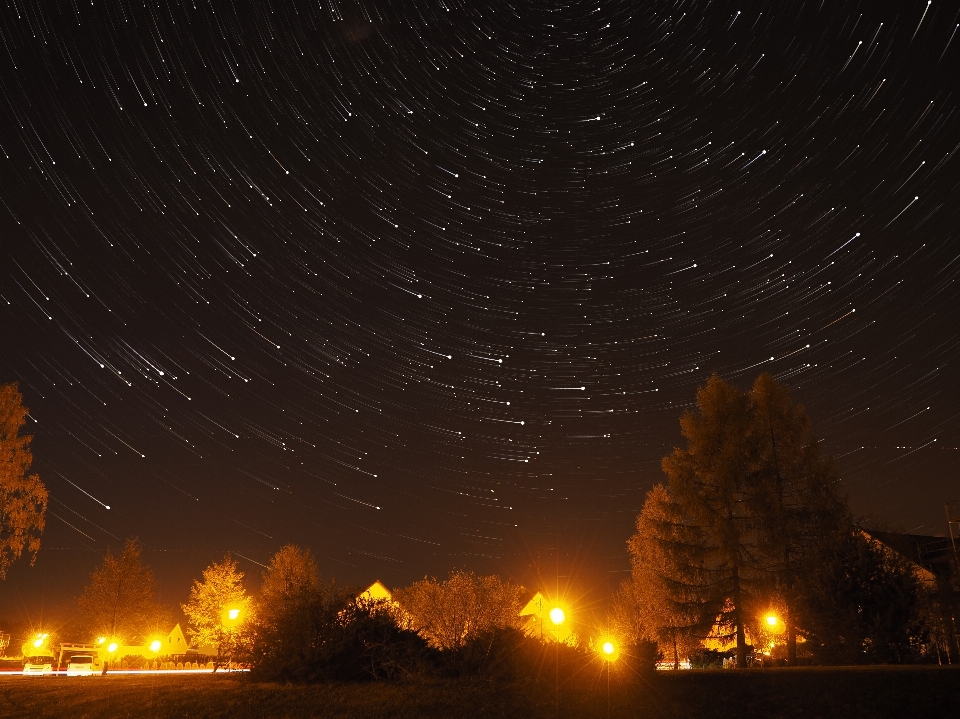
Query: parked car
80	665
38	666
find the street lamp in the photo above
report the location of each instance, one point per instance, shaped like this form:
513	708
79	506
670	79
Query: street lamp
608	652
111	648
772	620
557	616
232	616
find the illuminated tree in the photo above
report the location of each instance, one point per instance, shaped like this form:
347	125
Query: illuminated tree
450	612
750	498
219	610
710	484
291	579
661	600
119	600
23	498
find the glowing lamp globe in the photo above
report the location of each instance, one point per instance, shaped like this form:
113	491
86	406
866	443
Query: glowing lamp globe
155	645
557	616
772	620
233	614
608	648
112	647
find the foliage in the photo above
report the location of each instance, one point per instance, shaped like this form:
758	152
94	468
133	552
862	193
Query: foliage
119	600
655	604
23	497
503	654
707	658
747	500
710	489
211	599
792	494
860	603
290	580
448	613
324	634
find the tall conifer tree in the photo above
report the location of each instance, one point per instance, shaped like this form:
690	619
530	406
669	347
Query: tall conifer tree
793	490
710	481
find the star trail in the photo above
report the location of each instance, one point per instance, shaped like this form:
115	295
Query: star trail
413	283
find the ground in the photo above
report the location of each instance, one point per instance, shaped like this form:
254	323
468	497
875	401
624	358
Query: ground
901	692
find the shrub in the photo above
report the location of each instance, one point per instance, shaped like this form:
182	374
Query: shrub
325	634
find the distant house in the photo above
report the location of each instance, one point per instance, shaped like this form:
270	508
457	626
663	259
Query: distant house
935	565
173	644
927	555
538	622
376	592
176	642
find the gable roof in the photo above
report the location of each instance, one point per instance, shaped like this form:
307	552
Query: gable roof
376	591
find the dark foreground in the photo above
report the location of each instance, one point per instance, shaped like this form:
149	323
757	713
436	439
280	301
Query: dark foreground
928	692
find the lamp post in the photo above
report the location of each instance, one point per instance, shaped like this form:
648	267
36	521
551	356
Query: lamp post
775	626
557	616
231	618
111	648
608	652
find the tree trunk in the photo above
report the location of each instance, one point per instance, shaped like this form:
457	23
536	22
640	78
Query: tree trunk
676	654
738	620
791	643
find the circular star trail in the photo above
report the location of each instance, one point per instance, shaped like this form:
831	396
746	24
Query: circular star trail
428	284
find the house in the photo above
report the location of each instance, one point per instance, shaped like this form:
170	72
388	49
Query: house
934	563
376	592
539	623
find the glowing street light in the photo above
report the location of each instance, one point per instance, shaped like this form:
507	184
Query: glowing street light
557	616
608	648
155	645
40	640
232	616
772	620
112	647
101	640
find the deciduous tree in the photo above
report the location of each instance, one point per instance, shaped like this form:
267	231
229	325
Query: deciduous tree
291	578
119	602
860	603
210	604
448	613
23	497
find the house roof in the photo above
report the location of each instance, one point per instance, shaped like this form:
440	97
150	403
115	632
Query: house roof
376	591
907	546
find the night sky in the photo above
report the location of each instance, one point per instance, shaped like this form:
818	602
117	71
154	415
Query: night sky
427	285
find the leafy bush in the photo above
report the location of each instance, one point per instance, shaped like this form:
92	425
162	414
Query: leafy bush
707	659
328	635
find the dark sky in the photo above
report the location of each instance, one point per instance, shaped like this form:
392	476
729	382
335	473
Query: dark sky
413	284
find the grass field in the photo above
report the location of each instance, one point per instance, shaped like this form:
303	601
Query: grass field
929	692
